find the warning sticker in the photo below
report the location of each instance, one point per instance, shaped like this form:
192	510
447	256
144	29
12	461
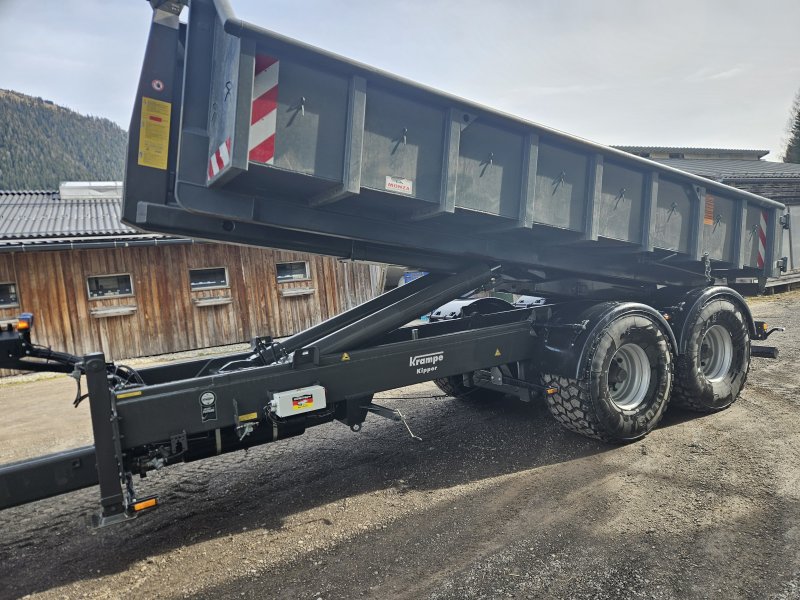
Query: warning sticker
208	406
399	184
302	402
154	133
708	218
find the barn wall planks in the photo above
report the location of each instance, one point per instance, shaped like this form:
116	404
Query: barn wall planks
7	275
166	315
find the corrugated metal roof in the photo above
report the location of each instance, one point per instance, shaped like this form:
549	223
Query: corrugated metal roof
690	150
45	214
728	169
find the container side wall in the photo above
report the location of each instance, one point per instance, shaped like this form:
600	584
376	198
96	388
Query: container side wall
489	170
620	211
561	187
671	229
403	146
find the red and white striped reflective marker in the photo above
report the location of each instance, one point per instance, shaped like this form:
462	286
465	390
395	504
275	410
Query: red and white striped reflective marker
220	159
762	239
265	110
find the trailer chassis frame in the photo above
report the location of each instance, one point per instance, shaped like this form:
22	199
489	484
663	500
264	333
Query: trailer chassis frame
352	356
199	408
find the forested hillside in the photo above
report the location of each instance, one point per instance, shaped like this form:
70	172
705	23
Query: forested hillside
42	144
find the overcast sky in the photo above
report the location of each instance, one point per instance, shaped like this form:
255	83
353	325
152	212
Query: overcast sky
720	73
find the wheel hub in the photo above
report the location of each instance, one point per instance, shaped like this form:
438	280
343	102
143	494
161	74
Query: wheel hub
629	376
716	353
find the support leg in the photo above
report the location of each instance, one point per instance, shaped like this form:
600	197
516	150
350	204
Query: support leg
106	441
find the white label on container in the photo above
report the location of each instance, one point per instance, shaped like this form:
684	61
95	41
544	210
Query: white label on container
400	185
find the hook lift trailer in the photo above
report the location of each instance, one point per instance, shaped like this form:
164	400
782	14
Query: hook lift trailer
241	135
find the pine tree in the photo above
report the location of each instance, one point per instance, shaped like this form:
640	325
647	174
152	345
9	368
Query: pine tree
792	153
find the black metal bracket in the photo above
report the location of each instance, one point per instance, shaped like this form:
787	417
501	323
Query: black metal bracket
107	443
495	379
544	329
352	412
763	331
382	411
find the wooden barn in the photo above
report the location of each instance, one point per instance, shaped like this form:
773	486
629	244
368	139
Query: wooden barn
94	284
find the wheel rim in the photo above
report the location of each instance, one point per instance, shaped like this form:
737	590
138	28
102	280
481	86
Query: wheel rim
716	353
629	376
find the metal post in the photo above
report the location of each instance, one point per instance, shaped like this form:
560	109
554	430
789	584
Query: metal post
594	197
353	146
739	235
106	440
649	208
696	244
447	186
527	197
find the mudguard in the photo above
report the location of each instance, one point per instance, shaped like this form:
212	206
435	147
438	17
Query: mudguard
682	306
564	341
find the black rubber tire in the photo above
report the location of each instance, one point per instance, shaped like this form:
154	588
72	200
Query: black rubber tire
454	386
692	389
584	405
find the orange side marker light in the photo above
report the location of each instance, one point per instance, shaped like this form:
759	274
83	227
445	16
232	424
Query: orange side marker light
145	504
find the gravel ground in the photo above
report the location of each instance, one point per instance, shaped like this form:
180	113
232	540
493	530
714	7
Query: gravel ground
497	501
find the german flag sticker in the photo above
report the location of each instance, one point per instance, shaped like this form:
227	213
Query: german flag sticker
303	402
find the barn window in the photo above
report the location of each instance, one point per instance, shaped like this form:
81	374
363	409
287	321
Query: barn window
110	286
292	271
8	294
206	279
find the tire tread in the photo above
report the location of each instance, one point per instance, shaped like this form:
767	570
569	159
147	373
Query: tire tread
683	395
572	406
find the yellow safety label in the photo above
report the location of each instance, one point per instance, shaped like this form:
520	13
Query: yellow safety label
128	395
248	417
345	357
154	133
497	352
